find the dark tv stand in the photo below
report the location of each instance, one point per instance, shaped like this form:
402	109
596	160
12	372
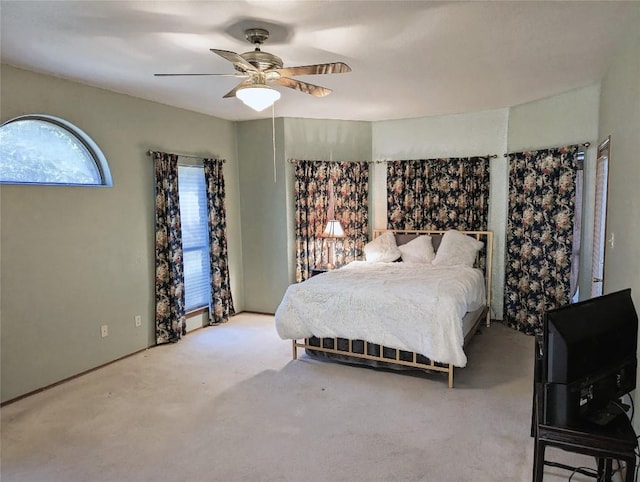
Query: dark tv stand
614	440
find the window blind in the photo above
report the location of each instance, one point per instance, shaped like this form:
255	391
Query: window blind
195	236
599	221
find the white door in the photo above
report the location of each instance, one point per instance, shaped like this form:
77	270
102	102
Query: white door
600	217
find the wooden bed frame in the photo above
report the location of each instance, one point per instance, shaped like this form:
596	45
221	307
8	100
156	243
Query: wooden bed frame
391	356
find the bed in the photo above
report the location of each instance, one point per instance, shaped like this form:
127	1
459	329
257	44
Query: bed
415	311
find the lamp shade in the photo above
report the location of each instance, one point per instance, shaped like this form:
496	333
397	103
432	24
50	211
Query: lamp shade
333	229
258	97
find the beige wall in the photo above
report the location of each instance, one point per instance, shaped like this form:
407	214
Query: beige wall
268	206
263	215
620	118
75	258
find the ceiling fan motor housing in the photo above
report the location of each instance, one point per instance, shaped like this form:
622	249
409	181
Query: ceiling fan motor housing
262	60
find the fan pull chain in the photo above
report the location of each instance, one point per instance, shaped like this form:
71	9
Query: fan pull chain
273	138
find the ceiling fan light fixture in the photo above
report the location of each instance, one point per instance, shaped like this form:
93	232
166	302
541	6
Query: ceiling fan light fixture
258	97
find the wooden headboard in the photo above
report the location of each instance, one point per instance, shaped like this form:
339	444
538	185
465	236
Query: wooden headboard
404	236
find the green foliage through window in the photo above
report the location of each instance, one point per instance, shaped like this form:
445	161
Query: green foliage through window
40	149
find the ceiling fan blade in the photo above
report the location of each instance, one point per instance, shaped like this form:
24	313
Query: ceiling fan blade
330	68
234	58
233	91
219	75
303	86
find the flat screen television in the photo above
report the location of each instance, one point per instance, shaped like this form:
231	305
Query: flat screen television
588	358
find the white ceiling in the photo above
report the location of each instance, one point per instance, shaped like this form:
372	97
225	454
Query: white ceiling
409	59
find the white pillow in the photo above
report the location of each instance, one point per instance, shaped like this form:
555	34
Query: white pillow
382	249
418	250
457	248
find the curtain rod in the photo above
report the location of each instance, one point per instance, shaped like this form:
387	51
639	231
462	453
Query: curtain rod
151	153
488	156
294	161
583	144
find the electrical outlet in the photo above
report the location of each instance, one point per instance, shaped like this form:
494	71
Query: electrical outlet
138	320
104	331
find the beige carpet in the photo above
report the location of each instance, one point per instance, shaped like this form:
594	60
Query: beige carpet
228	404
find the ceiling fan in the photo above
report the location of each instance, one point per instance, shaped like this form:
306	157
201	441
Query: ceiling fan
260	68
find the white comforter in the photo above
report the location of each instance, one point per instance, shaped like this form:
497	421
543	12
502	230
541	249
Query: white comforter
413	307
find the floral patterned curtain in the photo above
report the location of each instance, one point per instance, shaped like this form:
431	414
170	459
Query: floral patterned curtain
438	194
169	286
351	203
221	301
542	196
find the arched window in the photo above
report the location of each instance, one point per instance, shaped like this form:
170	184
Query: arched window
42	149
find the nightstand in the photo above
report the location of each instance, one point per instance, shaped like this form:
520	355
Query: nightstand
317	270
